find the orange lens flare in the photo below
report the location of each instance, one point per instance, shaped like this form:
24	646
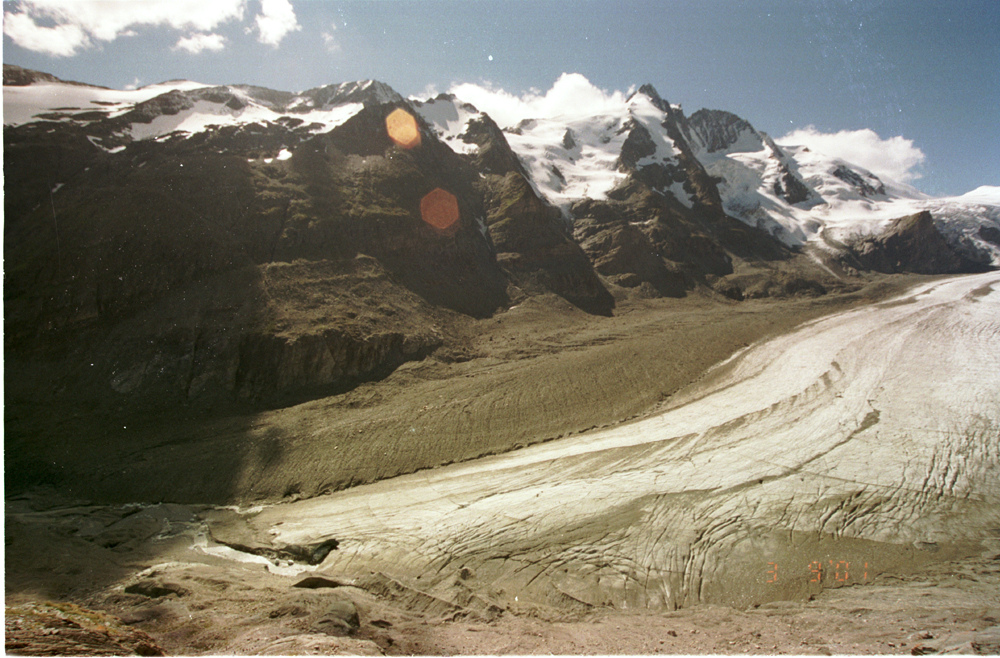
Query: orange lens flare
439	208
403	129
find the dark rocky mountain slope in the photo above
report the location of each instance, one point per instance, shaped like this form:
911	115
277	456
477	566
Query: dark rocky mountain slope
171	255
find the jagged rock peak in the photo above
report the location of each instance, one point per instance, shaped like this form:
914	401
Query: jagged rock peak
650	92
367	92
446	97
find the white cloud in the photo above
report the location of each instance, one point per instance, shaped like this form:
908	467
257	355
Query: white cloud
571	95
329	41
894	158
64	27
197	43
276	20
58	41
430	91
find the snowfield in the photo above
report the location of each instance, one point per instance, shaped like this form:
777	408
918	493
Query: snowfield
25	104
69	102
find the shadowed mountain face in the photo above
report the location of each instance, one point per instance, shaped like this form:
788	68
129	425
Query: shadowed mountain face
232	249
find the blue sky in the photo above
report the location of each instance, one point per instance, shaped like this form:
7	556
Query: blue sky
928	72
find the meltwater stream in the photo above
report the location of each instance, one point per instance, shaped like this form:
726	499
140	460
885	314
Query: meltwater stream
867	441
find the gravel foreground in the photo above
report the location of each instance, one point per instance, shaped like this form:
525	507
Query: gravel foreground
425	578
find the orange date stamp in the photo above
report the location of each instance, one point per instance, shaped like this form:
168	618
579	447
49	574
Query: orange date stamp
833	570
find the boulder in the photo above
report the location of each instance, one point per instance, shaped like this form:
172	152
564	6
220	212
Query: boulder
155	588
340	617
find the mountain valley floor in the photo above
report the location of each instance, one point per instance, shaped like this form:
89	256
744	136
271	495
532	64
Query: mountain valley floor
149	554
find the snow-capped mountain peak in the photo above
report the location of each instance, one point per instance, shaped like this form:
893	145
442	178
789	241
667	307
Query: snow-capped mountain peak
575	153
179	107
803	196
581	143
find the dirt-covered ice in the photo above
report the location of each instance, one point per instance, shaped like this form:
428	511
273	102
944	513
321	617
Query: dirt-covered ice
864	442
860	448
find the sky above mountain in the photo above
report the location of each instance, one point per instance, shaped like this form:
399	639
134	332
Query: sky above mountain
909	87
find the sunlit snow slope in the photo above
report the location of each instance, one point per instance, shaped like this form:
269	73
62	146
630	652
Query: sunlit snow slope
184	107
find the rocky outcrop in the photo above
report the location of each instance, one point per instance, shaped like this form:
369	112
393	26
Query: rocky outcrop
16	76
717	130
790	187
638	144
494	155
43	628
273	368
533	245
911	244
639	236
867	186
788	184
990	233
626	256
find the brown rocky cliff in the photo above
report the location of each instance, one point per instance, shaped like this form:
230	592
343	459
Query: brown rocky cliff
911	244
534	246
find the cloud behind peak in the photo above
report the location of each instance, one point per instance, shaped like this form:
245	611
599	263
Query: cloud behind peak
895	158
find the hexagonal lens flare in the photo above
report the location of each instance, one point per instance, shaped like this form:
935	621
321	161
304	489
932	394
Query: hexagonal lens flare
403	129
439	208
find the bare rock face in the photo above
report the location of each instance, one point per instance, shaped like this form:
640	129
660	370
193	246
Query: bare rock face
718	129
911	244
639	236
534	246
494	155
271	366
790	187
362	194
990	234
867	186
623	252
